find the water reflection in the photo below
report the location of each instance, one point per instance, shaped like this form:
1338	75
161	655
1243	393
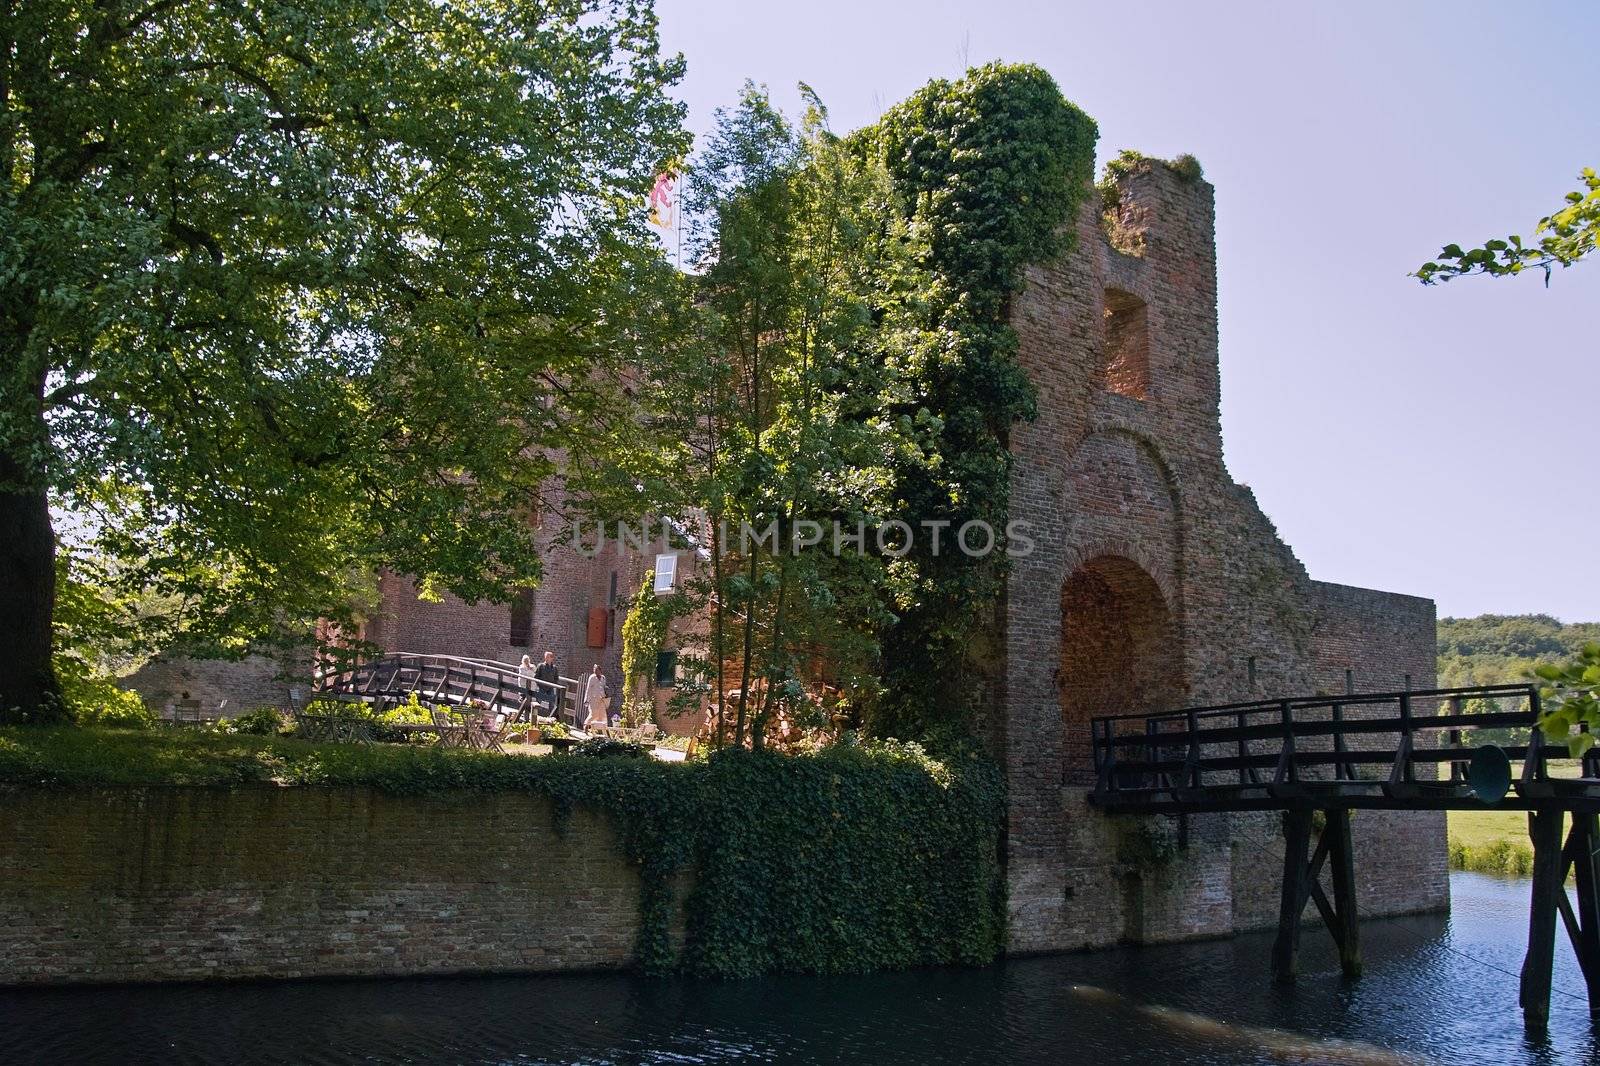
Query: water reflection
1435	990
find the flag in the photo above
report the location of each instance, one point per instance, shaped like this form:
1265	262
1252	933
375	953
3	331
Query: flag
663	200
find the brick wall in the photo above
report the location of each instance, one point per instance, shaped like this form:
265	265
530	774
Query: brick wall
1122	474
178	884
602	577
256	681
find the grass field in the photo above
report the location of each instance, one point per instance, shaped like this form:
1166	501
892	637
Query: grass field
1490	841
1480	828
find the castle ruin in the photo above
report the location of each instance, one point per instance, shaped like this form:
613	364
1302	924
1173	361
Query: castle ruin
1155	582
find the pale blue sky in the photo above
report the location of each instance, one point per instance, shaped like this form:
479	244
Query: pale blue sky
1438	441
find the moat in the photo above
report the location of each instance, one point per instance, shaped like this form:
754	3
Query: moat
1437	989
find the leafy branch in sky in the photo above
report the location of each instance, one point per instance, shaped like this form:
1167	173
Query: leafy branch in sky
1564	238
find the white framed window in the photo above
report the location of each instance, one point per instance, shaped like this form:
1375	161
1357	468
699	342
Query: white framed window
666	574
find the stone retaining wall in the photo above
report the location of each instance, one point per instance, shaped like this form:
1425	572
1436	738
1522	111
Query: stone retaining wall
154	884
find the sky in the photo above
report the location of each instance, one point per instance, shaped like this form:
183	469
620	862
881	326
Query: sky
1439	441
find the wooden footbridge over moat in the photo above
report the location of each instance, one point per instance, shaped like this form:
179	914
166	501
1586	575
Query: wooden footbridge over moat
450	680
1318	758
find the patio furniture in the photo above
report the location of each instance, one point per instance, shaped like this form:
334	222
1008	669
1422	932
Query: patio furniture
331	727
643	734
452	734
480	736
188	713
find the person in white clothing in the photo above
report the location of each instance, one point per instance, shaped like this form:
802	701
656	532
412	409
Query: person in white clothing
595	700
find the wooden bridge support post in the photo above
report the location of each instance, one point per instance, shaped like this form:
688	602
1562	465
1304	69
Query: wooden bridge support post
1584	926
1346	920
1302	884
1544	828
1296	889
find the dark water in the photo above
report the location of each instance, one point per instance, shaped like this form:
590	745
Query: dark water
1431	993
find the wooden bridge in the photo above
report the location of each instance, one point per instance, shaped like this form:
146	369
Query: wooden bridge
439	680
1318	758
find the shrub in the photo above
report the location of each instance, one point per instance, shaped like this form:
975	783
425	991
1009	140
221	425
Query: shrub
261	722
609	747
410	712
1186	167
102	703
1503	857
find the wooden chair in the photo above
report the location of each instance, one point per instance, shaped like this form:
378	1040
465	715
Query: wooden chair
480	736
452	734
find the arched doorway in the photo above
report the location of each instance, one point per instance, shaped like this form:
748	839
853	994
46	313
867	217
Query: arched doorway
1119	651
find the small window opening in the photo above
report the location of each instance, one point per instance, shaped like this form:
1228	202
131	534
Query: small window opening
666	669
1127	366
1250	668
521	628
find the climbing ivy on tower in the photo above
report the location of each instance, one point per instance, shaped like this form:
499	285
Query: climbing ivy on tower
644	631
990	170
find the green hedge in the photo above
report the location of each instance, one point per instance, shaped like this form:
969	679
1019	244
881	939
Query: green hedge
855	858
1508	857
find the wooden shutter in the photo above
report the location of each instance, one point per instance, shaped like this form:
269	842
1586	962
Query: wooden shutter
597	627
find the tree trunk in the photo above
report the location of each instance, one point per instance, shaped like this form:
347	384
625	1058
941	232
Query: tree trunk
28	691
746	652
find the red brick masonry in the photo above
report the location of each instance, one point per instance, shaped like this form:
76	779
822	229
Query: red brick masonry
163	884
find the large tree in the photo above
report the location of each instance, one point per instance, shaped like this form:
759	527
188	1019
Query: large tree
761	425
282	285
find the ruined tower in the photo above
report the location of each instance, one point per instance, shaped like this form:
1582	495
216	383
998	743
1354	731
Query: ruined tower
1156	582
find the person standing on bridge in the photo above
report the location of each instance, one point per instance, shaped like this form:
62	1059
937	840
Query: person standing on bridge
595	699
547	672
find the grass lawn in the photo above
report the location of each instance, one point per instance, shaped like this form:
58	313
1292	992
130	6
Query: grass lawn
1478	829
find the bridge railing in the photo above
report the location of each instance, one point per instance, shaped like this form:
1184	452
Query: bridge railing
1368	746
448	679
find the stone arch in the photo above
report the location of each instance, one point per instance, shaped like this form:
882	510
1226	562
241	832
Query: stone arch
1121	650
1112	426
1124	498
